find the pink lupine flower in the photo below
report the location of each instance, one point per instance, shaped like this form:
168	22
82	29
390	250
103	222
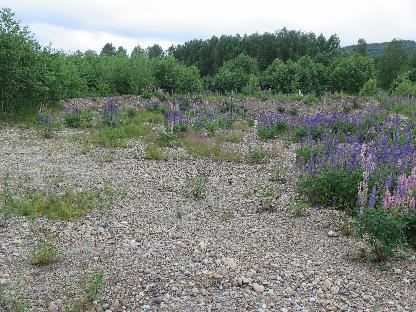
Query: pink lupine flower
388	201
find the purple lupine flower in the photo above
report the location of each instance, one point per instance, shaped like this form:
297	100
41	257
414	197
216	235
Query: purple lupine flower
372	200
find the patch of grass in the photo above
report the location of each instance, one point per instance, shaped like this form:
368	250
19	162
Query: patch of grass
196	145
258	156
90	293
298	208
196	188
43	253
278	174
150	116
243	125
82	120
266	196
67	206
12	301
233	138
272	132
179	213
152	151
167	139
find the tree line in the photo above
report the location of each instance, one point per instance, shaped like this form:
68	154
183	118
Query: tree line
282	62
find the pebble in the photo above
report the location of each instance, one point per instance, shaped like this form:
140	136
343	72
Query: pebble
332	234
257	288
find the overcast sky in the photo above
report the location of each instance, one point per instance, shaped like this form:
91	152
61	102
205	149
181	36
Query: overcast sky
88	24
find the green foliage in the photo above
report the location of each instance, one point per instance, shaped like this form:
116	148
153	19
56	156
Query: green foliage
369	88
361	48
289	78
90	293
172	76
350	73
279	174
233	138
392	62
331	188
298	208
67	206
152	151
13	301
236	74
258	156
272	132
43	253
403	86
384	231
196	188
197	146
266	197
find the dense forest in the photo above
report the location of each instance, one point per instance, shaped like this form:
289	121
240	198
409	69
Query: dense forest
283	62
377	49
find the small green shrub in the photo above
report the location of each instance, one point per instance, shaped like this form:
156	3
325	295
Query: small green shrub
278	174
299	133
369	88
272	132
266	197
179	213
331	188
385	232
196	188
43	253
72	120
258	156
131	112
197	146
298	208
233	138
89	295
152	151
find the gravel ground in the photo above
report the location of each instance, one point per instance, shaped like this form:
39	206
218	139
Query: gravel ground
221	255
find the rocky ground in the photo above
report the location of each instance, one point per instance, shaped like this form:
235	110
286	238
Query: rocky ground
159	250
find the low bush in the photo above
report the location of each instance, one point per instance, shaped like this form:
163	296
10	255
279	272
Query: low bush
258	156
331	188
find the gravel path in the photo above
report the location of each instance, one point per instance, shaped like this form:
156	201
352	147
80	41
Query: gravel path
219	256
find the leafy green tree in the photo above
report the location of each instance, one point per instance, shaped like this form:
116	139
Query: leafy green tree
108	49
137	50
154	51
175	77
281	77
141	74
235	73
350	73
393	62
361	48
121	51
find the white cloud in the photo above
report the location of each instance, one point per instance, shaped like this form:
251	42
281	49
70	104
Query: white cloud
95	21
72	40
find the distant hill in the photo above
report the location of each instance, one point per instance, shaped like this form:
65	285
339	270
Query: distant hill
377	49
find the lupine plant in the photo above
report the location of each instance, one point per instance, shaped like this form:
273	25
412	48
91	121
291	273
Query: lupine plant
110	113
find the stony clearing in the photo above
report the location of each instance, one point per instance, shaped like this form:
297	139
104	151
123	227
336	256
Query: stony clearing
160	250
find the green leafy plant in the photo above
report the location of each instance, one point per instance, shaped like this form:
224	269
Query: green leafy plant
258	156
43	253
385	232
152	151
196	188
331	188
